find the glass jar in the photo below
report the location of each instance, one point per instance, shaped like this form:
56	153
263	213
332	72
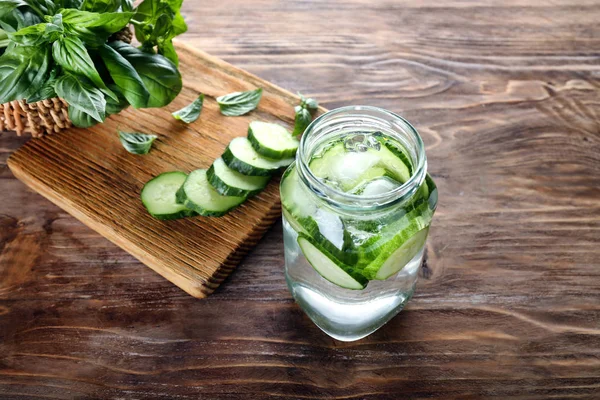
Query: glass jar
376	239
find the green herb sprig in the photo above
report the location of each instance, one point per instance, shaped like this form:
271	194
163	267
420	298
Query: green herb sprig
304	114
66	48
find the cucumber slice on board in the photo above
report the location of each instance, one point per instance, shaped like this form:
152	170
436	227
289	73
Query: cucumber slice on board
197	194
229	182
241	156
328	267
159	196
272	140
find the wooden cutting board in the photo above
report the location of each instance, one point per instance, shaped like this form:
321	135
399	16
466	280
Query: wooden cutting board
89	174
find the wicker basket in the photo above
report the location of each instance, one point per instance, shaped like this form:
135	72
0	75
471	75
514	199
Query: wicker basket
46	116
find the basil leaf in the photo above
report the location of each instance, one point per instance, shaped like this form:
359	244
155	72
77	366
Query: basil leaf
29	36
41	7
4	40
160	76
81	119
312	104
26	18
79	92
157	23
191	112
94	28
136	143
302	120
127	5
115	107
18	18
108	22
168	50
70	53
47	89
76	4
309	103
6	6
34	35
239	103
100	6
23	70
179	25
125	76
55	26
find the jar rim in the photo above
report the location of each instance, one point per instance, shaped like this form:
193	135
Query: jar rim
345	200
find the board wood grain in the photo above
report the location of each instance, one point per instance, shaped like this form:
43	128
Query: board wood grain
89	174
506	97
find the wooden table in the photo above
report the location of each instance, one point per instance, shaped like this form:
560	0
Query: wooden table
507	100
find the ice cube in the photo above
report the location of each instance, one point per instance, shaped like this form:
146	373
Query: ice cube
377	186
361	142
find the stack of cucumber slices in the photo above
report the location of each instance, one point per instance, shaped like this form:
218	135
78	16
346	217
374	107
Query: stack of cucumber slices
242	171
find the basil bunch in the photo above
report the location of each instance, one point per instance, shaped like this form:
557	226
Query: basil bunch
64	48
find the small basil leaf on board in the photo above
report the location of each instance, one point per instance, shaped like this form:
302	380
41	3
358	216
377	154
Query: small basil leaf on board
47	89
81	119
302	120
70	53
23	70
81	94
125	76
160	76
239	103
136	143
191	112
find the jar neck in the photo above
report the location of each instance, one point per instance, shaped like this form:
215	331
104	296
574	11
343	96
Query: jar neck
366	119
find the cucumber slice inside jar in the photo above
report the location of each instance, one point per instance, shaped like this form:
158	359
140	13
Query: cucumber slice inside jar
197	194
385	257
272	140
329	267
229	182
241	156
295	197
159	196
350	169
396	261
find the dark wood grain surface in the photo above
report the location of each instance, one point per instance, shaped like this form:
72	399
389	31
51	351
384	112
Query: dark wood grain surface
507	98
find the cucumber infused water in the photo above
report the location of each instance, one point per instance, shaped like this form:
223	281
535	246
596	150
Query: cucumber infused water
357	205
